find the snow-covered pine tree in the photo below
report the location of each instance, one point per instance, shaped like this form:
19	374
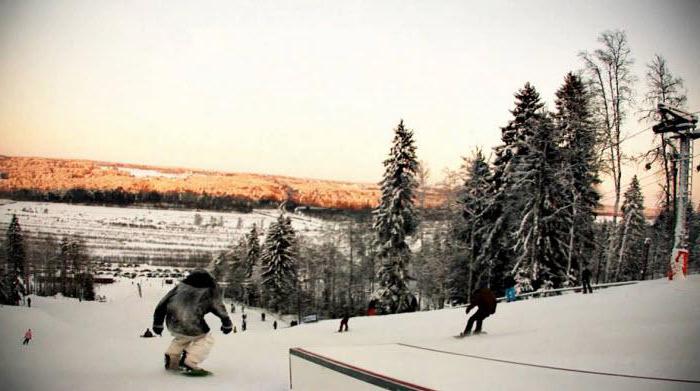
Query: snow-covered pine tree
394	220
15	258
631	233
279	269
536	176
472	271
252	255
250	284
574	123
506	204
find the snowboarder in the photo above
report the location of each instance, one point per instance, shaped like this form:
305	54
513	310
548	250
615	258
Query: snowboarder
27	337
29	302
262	316
509	283
586	281
485	300
274	325
344	323
183	309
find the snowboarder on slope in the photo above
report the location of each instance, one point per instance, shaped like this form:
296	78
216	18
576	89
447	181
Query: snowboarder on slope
183	309
344	322
27	337
485	300
586	281
274	325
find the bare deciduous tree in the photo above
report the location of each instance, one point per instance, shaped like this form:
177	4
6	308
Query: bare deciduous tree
610	77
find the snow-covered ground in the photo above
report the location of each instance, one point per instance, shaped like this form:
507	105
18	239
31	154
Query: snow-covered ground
649	329
139	232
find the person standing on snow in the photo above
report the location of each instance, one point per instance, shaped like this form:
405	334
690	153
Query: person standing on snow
344	322
586	281
27	337
274	325
485	300
183	309
509	283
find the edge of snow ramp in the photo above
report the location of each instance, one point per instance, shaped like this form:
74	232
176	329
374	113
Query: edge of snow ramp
363	375
552	367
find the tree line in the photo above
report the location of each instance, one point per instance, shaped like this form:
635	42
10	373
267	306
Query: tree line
121	197
46	267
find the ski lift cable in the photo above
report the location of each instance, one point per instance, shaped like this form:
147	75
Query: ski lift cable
660	170
642	179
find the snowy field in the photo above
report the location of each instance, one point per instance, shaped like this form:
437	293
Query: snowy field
128	233
649	329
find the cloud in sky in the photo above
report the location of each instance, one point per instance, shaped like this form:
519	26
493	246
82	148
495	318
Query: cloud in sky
304	88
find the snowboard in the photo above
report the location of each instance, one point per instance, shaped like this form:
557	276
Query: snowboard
197	373
460	336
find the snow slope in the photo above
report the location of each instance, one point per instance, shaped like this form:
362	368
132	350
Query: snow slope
648	329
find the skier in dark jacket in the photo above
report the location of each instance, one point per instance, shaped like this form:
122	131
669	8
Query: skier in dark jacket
183	310
485	300
344	322
586	281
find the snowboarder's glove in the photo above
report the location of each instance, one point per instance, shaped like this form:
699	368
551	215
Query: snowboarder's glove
158	329
226	330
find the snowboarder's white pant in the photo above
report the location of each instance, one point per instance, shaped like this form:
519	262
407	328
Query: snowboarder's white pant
197	347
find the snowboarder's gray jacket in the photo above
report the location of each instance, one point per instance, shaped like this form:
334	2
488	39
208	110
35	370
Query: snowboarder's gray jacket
184	307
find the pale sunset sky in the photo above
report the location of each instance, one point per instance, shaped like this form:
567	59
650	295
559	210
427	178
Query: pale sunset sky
306	88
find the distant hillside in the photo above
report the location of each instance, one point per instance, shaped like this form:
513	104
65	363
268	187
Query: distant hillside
62	175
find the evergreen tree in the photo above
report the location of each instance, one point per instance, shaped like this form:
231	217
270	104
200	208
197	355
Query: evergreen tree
15	259
541	236
471	231
574	122
395	220
252	251
631	233
279	264
505	204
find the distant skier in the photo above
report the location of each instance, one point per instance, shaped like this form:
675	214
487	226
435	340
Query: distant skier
29	302
244	325
372	308
274	325
262	316
183	309
509	283
233	308
344	323
27	337
586	281
485	300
